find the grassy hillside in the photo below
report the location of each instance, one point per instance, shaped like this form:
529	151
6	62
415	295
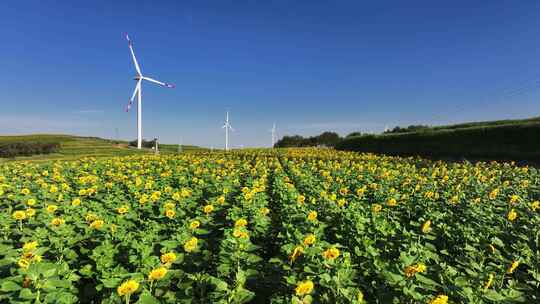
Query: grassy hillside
493	123
509	139
478	124
72	147
171	148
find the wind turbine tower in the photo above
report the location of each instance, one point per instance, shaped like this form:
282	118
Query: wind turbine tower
139	78
227	126
273	130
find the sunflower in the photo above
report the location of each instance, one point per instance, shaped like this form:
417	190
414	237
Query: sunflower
304	288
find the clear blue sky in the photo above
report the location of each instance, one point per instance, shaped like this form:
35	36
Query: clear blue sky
308	65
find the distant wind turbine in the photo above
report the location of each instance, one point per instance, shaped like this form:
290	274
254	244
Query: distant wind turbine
139	78
273	130
227	126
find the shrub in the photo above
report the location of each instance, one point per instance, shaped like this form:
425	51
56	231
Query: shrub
145	143
27	148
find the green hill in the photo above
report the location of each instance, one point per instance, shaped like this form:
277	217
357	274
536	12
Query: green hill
492	123
503	139
73	147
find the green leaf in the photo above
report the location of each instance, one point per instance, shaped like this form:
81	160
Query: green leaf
147	298
8	286
275	261
4	262
497	242
86	270
514	295
290	280
427	281
534	274
469	248
393	278
67	298
254	259
33	273
307	299
240	277
220	285
243	296
4	247
492	295
202	231
47	269
325	277
59	283
111	283
27	294
169	244
406	259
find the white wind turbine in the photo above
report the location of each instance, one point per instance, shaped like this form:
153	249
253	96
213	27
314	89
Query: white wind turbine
180	145
273	130
227	126
139	78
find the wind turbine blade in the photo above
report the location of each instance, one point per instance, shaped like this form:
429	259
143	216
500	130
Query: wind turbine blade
130	102
159	82
130	45
230	127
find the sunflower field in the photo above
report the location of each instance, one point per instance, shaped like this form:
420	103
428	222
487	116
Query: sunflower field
262	226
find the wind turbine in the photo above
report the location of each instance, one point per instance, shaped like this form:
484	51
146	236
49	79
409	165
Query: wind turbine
273	130
227	126
139	78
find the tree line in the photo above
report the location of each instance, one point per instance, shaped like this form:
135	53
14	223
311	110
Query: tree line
28	148
325	139
145	143
411	128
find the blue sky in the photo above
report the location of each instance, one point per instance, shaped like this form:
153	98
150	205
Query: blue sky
308	65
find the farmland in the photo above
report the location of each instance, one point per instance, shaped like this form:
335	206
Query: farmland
269	226
75	147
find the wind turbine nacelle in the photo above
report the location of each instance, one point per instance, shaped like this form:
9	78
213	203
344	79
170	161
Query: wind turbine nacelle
137	77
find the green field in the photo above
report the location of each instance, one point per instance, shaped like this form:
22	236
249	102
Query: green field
498	140
73	147
479	124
